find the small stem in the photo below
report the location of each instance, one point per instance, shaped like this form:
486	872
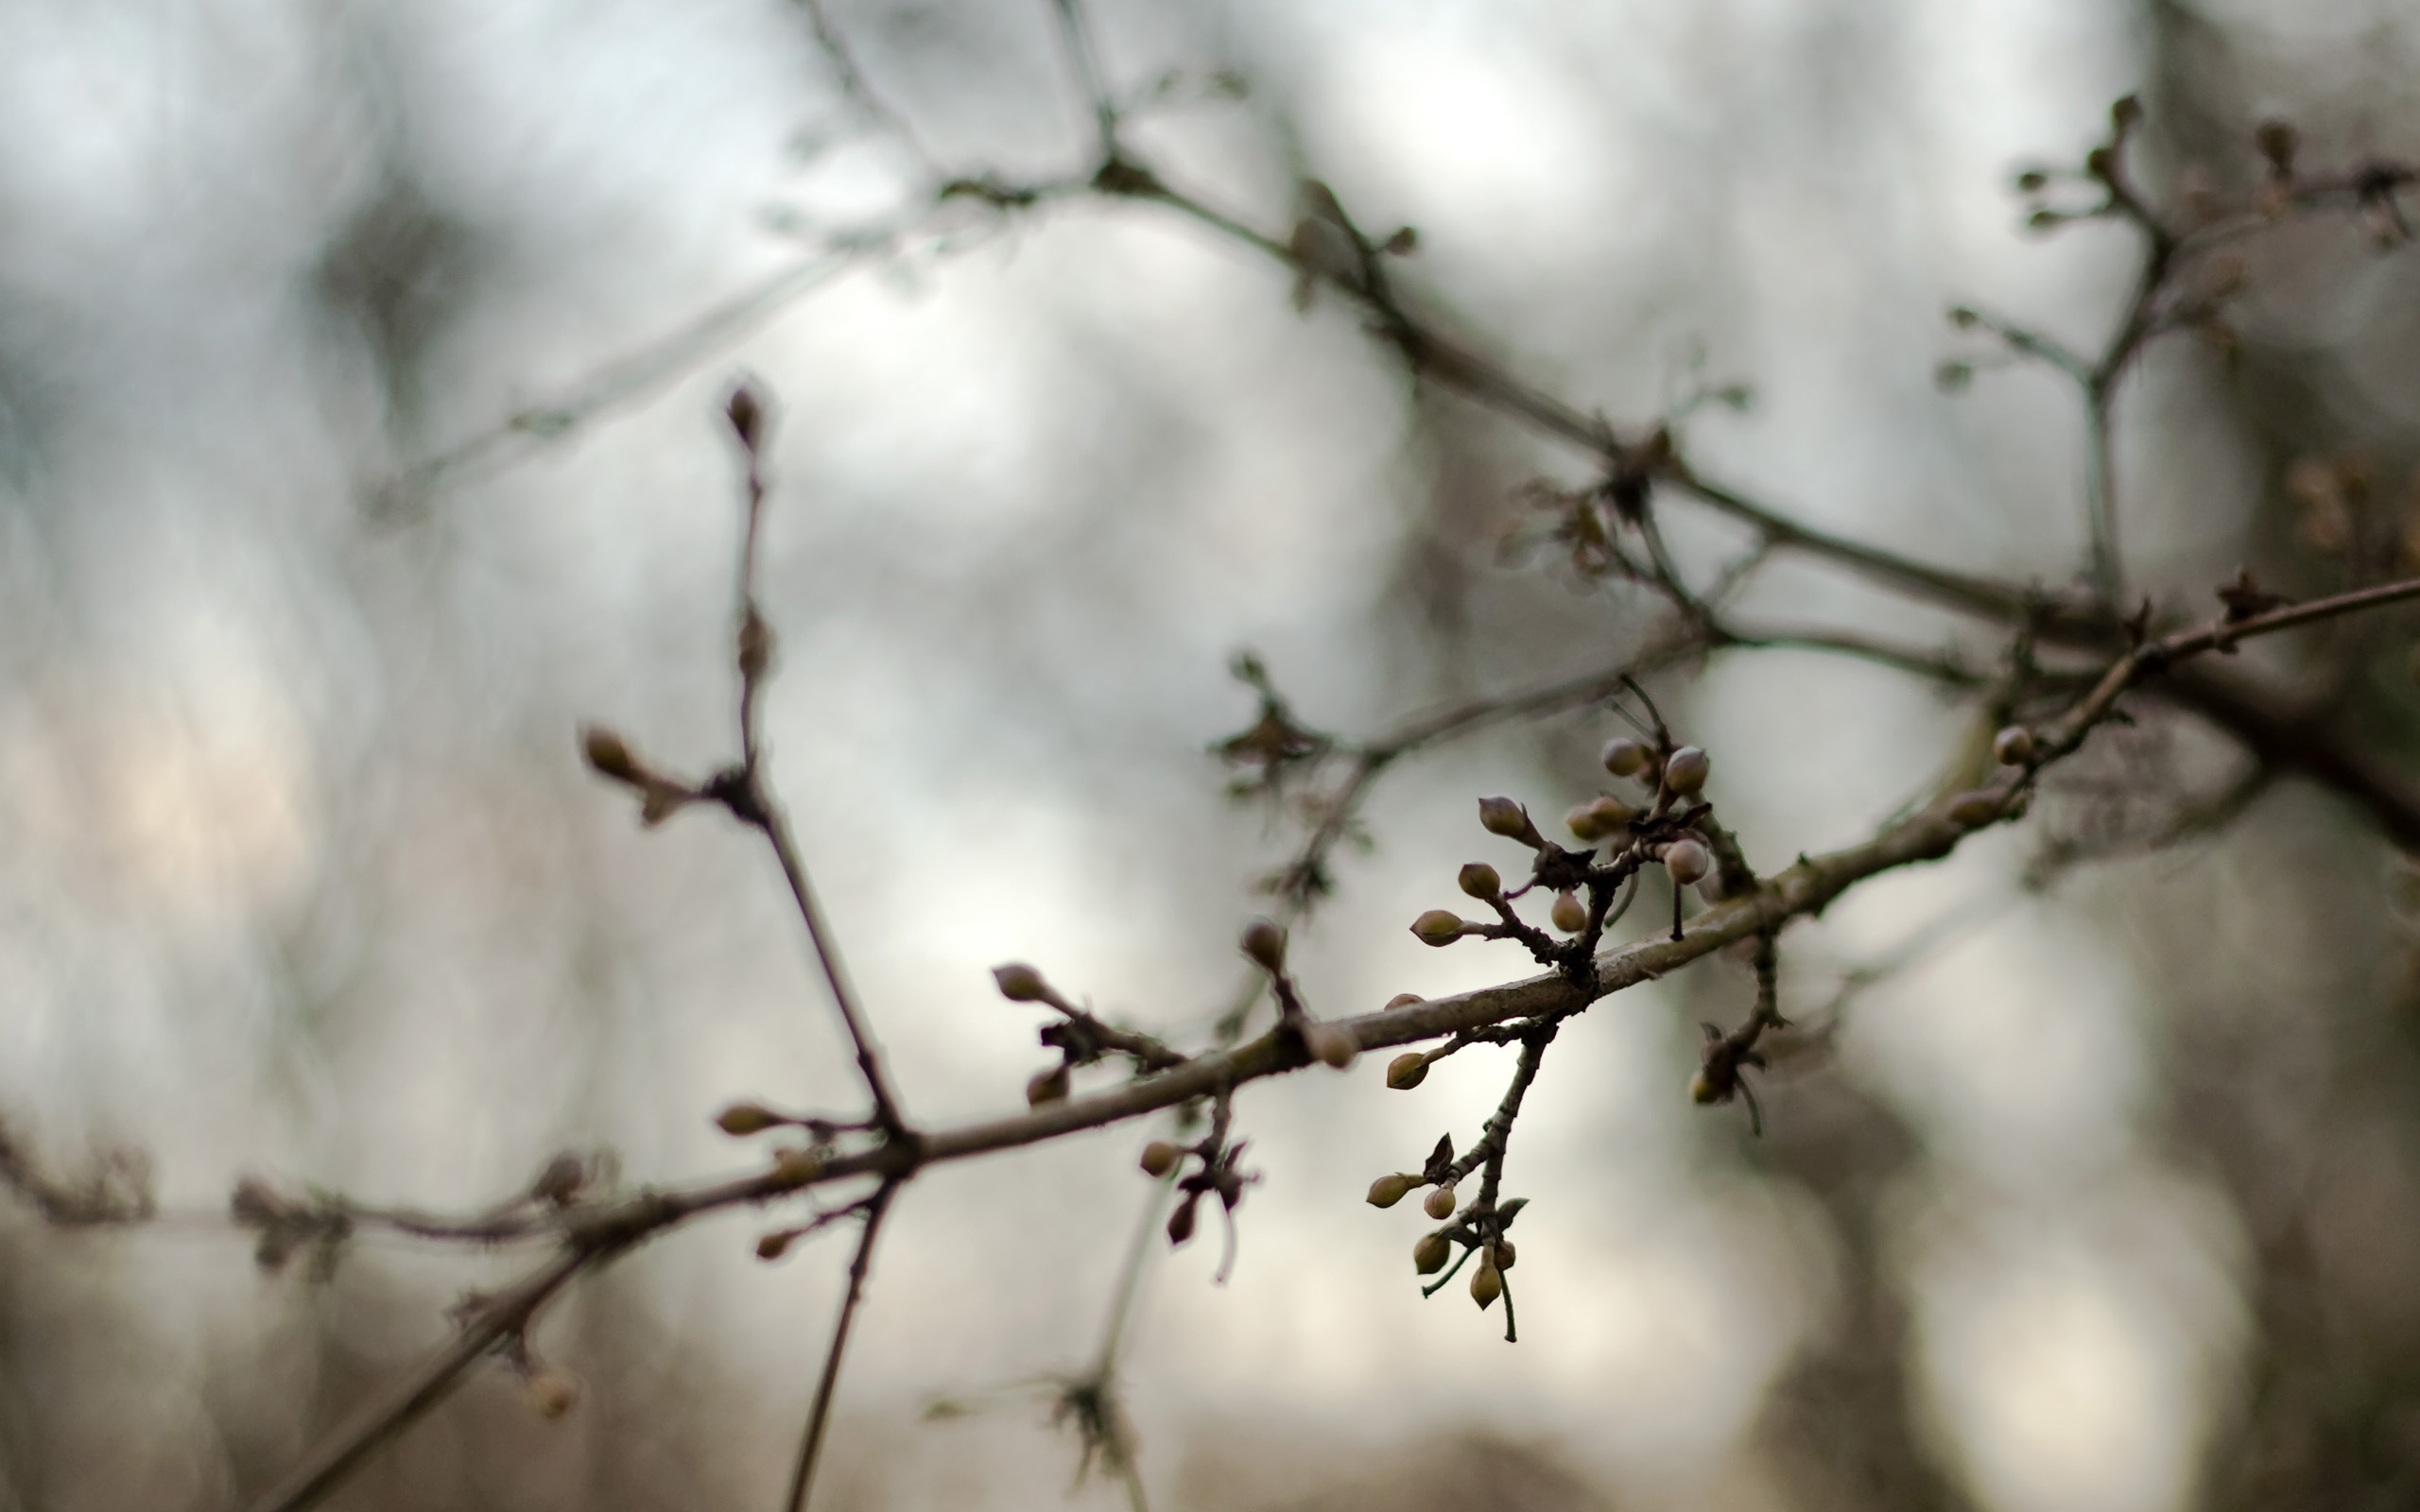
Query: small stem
810	1449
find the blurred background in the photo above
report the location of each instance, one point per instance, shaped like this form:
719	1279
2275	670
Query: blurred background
360	369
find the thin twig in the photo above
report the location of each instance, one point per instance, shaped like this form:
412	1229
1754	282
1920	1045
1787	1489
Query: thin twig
810	1449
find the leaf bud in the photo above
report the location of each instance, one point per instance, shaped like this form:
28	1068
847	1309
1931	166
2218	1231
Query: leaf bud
1488	1284
1481	881
742	1119
608	756
1019	983
1406	1071
1624	756
774	1246
1439	1204
1428	1257
1686	860
1403	1000
552	1393
1160	1158
1389	1189
1438	927
1332	1044
1265	943
2014	747
1599	816
1568	914
1048	1086
1975	809
1501	816
1684	771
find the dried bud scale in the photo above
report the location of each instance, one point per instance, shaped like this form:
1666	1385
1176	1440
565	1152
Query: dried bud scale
609	756
1181	1222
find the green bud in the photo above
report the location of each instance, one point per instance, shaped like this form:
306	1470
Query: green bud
1438	927
1160	1158
1481	881
1389	1189
1019	983
1406	1071
1488	1284
741	1118
1428	1257
1439	1204
1048	1086
1501	816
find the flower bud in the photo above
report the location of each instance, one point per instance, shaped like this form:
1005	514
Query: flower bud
746	413
1403	1000
1581	820
1624	757
774	1246
1265	943
1389	1189
741	1118
1332	1044
1160	1158
1439	1204
1686	860
1568	914
1488	1284
1481	881
608	756
1684	770
1975	809
1501	816
1048	1086
2125	111
551	1392
796	1168
1602	815
1019	983
1504	1254
1406	1071
1180	1221
1701	1089
1428	1257
1438	927
2014	747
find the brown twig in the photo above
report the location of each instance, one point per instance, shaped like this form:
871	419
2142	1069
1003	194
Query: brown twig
819	1414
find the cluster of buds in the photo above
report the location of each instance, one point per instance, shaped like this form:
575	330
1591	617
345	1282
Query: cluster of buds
1217	1170
1479	1234
1669	826
793	1165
